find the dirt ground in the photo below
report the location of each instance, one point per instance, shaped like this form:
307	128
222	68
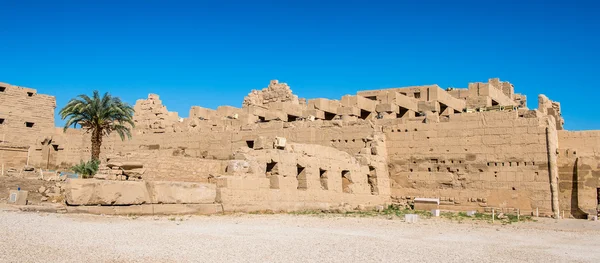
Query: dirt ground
36	237
8	183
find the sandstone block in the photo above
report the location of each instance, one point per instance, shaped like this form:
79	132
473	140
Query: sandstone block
182	192
102	192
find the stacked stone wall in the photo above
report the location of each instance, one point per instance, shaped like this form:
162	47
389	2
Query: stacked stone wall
475	161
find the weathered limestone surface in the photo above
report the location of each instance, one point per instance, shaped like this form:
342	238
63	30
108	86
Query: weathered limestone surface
25	116
103	192
579	172
168	192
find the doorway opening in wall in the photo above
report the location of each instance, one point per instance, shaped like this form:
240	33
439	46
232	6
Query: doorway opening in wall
364	114
272	173
372	179
29	124
329	116
417	95
291	118
346	182
301	176
323	178
495	103
1	121
250	144
2	89
403	112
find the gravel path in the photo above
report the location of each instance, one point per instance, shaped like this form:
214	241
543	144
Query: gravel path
37	237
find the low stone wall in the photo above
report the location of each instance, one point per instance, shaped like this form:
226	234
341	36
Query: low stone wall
87	192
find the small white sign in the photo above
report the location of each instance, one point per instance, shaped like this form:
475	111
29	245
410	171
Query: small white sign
13	198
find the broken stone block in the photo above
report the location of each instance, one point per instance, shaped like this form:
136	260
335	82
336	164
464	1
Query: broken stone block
280	142
426	204
262	143
101	176
237	167
104	192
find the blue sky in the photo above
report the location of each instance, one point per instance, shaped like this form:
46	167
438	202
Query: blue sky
211	53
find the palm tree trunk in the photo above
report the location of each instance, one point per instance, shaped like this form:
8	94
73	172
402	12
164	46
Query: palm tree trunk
96	143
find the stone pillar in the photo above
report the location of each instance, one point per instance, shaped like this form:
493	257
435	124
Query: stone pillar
552	150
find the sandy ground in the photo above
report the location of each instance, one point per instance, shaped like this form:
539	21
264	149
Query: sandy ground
39	237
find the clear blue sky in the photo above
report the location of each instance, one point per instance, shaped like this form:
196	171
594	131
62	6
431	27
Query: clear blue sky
212	53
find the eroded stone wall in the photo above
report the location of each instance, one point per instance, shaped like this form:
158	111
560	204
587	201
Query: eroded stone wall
476	148
25	115
474	161
579	172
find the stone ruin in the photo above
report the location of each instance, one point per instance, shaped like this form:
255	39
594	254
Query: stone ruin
474	148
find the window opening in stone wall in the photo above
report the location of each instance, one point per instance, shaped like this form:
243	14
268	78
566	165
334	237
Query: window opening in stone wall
30	94
261	119
29	124
417	95
291	118
250	144
495	103
346	182
1	121
329	116
401	113
323	179
301	177
372	97
2	89
272	173
364	114
372	179
403	93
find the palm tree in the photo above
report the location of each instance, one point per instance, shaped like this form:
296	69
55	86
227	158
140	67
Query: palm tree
100	116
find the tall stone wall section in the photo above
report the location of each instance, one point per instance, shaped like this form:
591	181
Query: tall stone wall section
474	161
579	172
24	117
503	158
